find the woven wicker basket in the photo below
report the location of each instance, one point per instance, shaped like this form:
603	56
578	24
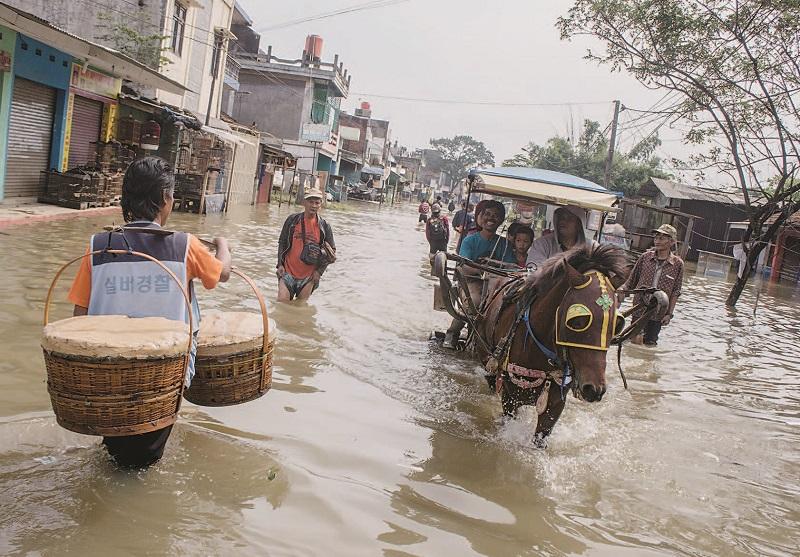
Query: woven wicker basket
234	378
115	396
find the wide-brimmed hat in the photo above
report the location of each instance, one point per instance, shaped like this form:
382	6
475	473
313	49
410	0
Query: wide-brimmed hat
668	230
313	193
436	208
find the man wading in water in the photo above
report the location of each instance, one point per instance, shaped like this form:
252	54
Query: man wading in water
129	285
437	231
305	250
485	244
656	268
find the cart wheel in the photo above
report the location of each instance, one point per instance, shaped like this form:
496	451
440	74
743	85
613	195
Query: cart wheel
440	264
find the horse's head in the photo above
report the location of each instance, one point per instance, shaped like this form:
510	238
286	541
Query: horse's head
586	321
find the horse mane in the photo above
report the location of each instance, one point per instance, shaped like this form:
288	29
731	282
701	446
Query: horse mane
609	260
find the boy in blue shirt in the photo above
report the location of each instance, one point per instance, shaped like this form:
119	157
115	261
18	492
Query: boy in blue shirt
489	214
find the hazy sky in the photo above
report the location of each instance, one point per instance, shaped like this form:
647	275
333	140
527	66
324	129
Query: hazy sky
475	50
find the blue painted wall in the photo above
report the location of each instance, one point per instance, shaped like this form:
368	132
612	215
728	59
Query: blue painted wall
44	64
324	163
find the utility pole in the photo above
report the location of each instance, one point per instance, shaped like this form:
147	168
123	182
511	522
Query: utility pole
610	157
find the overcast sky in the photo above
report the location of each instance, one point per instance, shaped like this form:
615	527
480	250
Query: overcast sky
474	50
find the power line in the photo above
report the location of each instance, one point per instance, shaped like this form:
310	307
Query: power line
478	103
144	19
351	9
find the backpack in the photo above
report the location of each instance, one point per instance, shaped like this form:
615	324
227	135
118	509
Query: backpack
436	230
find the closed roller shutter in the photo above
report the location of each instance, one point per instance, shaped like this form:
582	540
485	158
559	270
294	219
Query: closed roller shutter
30	132
87	116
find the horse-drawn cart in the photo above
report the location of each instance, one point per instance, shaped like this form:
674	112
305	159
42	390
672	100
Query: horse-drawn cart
541	332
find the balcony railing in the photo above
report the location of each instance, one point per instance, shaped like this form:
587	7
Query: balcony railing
232	67
336	67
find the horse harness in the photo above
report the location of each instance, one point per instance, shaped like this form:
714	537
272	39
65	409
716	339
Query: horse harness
561	369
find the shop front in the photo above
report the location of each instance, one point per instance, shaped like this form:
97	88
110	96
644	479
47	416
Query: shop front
91	115
37	116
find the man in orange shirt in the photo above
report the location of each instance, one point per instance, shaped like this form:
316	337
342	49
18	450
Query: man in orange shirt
130	285
304	250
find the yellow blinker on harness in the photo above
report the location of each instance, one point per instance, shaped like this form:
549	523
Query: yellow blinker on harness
579	318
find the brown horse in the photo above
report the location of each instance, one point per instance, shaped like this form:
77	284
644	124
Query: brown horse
552	336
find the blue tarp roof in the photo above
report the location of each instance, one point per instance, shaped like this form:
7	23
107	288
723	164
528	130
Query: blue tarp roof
547	177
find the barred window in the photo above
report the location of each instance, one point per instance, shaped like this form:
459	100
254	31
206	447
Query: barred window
178	28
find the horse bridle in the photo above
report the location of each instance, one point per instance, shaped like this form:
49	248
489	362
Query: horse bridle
558	358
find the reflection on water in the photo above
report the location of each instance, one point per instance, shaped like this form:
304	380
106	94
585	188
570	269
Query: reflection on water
374	440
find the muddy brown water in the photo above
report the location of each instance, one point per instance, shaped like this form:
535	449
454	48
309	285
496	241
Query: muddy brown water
374	442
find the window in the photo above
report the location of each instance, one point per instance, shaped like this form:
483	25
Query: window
178	27
320	110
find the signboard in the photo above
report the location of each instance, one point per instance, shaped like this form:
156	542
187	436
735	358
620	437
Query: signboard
5	61
316	132
68	132
91	81
350	134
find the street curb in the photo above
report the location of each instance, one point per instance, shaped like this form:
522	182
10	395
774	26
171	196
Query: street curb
74	213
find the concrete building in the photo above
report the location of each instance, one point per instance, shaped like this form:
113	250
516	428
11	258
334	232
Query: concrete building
58	98
178	38
295	102
366	143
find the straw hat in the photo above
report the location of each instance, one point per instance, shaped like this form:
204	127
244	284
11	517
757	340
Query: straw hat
668	230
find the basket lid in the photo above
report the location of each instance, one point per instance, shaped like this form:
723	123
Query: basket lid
236	329
117	336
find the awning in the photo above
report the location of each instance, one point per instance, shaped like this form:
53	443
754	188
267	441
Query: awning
546	186
98	56
374	170
276	152
227	136
350	157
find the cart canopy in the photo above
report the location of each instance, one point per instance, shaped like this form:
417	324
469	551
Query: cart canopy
545	186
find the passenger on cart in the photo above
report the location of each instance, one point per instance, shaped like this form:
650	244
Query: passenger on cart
489	214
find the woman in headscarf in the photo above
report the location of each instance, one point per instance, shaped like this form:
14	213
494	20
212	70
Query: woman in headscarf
569	225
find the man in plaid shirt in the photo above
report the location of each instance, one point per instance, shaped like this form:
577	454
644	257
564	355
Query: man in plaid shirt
656	268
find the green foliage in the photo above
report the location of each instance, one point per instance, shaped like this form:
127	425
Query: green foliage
147	49
586	158
730	70
461	153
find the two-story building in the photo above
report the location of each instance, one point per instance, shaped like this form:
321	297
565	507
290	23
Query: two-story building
366	143
58	97
181	39
294	101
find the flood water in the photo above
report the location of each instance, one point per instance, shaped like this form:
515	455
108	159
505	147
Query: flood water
374	442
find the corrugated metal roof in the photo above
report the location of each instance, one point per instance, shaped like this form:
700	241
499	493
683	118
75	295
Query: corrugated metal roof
674	190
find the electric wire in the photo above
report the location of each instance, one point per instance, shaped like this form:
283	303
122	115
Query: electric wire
478	103
351	9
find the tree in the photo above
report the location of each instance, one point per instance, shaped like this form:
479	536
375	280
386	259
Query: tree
461	153
144	48
586	158
730	69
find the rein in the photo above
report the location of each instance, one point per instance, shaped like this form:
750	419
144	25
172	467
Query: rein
633	328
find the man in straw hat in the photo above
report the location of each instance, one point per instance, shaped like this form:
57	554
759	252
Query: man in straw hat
305	249
656	268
